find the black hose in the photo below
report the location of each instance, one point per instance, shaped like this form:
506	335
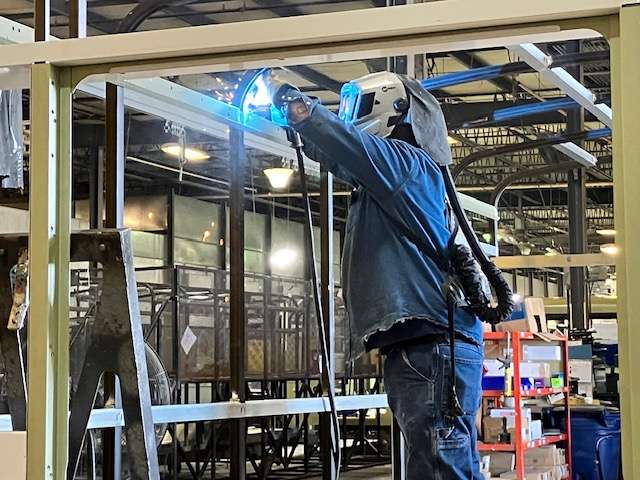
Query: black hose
503	293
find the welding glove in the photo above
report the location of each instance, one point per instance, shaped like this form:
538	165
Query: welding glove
288	100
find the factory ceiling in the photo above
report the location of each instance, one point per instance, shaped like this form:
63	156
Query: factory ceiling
533	210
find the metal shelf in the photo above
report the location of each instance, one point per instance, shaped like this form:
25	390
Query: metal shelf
533	392
508	447
494	336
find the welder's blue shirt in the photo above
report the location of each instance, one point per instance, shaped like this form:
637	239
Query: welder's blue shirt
386	278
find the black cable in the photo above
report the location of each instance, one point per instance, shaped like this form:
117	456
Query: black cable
296	142
502	290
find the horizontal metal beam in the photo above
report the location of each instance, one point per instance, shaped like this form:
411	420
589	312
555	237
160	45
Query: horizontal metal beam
200	412
361	32
542	63
554	261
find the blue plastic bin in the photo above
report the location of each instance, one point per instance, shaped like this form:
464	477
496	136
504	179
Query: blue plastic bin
595	435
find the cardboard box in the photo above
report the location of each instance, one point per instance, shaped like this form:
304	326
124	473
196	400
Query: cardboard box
547	456
529	475
492	427
493	368
13	455
529	318
501	462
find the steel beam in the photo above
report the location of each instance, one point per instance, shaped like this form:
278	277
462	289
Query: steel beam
625	45
42	19
115	156
577	206
50	213
77	18
237	321
554	261
328	315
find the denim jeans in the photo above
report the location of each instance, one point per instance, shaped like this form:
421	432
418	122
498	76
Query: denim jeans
416	379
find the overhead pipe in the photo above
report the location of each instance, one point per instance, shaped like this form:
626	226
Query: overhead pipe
494	71
533	144
144	10
519	111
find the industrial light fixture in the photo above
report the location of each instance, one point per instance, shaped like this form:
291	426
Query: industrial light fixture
452	141
487	237
190	154
606	232
279	177
283	258
609	248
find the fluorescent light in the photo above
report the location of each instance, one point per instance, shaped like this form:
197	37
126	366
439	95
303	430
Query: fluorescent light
606	232
487	237
283	258
609	248
279	178
190	154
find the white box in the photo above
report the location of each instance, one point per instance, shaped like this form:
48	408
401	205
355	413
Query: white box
535	428
13	455
541	352
493	368
581	369
510	415
535	370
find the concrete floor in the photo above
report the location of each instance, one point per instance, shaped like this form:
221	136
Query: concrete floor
380	472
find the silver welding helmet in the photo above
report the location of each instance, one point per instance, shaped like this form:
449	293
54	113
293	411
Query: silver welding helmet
378	102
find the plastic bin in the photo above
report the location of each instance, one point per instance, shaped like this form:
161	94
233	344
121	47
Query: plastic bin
595	434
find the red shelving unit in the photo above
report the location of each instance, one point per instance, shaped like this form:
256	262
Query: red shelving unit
518	445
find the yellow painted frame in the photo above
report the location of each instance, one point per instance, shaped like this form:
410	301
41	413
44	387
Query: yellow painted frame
50	166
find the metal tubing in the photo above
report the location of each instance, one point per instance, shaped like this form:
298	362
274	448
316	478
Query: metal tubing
534	108
237	308
494	71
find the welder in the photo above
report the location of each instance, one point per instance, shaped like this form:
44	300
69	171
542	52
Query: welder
401	269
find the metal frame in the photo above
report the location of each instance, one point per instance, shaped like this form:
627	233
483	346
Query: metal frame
374	32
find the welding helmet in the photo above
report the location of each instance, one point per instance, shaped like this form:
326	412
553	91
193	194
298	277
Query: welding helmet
375	103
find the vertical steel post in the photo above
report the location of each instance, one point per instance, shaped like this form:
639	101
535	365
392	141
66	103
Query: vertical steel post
96	186
42	19
625	77
577	202
114	218
50	212
237	314
77	18
328	309
397	452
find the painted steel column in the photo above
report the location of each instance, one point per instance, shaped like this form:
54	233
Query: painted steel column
114	218
577	202
238	162
328	313
625	78
42	19
50	212
77	18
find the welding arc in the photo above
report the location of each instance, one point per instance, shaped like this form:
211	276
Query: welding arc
325	379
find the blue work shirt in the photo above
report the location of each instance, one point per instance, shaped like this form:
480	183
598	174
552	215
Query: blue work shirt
386	278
